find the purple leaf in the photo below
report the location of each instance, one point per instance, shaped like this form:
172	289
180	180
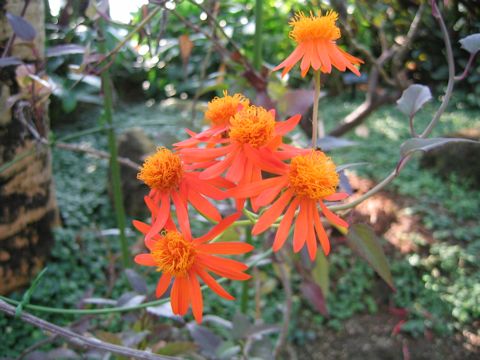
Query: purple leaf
67	49
207	340
21	27
313	293
298	101
136	281
10	61
362	240
130	299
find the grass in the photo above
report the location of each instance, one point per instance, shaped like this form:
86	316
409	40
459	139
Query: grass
440	286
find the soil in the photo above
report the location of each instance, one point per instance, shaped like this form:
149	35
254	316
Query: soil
371	336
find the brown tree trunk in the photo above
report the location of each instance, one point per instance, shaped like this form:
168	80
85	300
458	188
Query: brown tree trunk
28	209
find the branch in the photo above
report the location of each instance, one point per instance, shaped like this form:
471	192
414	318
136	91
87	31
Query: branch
80	340
431	125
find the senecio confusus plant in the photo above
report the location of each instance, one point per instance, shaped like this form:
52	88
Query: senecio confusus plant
242	156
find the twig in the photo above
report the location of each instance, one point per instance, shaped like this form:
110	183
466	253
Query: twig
287	310
467	68
97	153
80	340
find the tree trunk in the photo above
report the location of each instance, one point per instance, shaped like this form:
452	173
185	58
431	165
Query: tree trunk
28	209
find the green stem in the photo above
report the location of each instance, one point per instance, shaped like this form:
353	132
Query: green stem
257	50
245	284
117	309
112	147
318	129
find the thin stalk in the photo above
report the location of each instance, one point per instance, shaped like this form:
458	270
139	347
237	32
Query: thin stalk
257	47
118	309
318	129
112	147
245	284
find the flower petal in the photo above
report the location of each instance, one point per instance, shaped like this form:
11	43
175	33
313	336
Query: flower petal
285	224
283	127
145	260
336	197
182	215
226	248
333	218
218	229
162	285
203	206
196	297
321	234
311	240
291	60
212	283
273	212
322	51
301	224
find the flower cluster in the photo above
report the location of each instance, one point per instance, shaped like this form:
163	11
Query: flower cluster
242	156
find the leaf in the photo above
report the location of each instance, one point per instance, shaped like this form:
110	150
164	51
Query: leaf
313	293
10	61
130	299
297	101
328	143
164	310
413	98
471	43
351	165
177	348
415	144
21	27
241	326
320	273
186	46
137	282
66	49
207	340
362	240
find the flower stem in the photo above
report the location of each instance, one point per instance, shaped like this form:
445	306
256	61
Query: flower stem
245	284
257	51
318	129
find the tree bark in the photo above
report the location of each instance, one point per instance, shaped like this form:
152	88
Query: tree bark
28	209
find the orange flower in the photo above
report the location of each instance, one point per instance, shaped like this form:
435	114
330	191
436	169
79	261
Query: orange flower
254	144
169	182
316	45
219	112
184	259
308	181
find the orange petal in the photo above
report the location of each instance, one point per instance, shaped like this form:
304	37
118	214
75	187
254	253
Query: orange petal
314	57
218	168
255	188
336	197
283	127
333	218
311	240
182	215
273	212
204	206
321	234
305	64
285	224
237	168
322	51
145	260
205	187
161	218
226	248
291	60
301	224
162	285
212	283
183	295
141	226
218	229
266	197
196	297
265	160
228	268
202	154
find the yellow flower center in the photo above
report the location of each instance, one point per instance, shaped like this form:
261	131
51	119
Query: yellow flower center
220	110
309	28
252	125
313	175
162	170
173	254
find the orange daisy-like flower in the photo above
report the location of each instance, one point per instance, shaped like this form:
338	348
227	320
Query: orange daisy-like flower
184	260
219	112
316	45
308	181
170	183
254	144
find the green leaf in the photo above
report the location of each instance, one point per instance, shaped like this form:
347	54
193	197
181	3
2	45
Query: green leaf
320	273
176	348
412	145
362	240
413	98
471	43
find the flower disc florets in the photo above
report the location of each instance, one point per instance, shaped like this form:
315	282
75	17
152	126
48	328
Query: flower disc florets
313	175
173	254
252	125
221	109
162	170
309	28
